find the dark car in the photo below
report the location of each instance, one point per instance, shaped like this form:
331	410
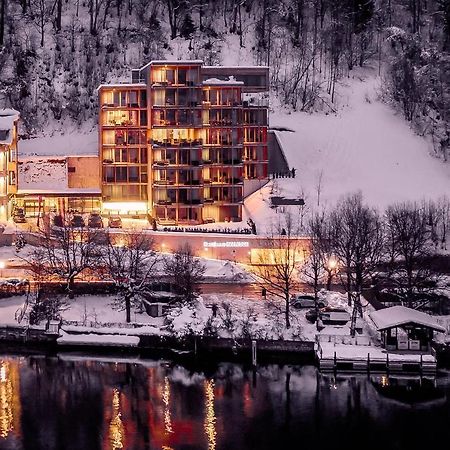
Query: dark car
95	220
58	220
114	222
19	215
77	221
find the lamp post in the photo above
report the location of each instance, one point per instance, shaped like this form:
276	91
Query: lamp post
332	269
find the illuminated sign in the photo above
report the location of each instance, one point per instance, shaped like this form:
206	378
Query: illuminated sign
226	244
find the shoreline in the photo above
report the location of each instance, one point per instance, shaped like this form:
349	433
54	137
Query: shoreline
198	348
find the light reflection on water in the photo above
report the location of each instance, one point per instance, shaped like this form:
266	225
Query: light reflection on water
116	426
52	403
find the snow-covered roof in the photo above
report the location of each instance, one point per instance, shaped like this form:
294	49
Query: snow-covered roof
60	191
216	81
401	315
39	174
47	176
121	85
168	62
236	67
69	144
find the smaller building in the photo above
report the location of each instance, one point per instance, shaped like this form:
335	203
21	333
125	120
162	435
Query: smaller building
405	329
9	119
58	184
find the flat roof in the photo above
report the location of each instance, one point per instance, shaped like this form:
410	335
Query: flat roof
216	81
186	62
60	191
396	316
235	67
121	85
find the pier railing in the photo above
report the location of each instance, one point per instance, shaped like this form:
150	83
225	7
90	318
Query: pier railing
344	339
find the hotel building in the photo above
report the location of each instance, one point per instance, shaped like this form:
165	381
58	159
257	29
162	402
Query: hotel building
183	143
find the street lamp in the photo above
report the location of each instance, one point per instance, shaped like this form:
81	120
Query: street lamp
332	269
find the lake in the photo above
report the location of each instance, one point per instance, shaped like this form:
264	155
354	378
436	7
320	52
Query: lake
69	402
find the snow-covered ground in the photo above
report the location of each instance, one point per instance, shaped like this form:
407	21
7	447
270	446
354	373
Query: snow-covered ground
257	318
74	142
364	146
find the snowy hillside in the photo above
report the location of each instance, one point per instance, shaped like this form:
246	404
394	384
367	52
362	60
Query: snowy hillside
365	146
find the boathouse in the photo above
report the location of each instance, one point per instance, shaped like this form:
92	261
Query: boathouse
406	329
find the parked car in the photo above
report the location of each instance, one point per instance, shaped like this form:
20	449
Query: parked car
58	220
77	221
114	222
19	215
306	301
329	316
95	220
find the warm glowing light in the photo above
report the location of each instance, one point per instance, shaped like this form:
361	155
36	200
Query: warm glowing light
116	429
125	207
210	415
332	263
166	401
227	244
384	381
2	264
6	401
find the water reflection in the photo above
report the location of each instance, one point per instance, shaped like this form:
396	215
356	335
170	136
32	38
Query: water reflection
70	404
9	398
210	415
166	401
116	430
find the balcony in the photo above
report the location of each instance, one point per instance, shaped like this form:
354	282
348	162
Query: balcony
227	180
176	143
189	182
163	162
164	182
232	161
191	202
164	202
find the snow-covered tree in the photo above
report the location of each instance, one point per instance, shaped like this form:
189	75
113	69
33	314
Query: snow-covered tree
410	244
131	263
280	260
357	241
185	271
64	252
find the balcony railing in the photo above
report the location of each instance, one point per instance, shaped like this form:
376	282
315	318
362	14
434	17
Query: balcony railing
176	143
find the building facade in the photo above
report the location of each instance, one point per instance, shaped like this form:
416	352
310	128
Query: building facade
183	143
9	119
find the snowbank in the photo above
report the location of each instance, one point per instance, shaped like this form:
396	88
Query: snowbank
98	339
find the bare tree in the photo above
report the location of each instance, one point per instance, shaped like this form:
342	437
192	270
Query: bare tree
185	271
40	13
280	260
131	263
64	252
409	246
438	221
314	269
356	233
3	13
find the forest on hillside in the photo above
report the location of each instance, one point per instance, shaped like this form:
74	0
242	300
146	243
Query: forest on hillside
55	53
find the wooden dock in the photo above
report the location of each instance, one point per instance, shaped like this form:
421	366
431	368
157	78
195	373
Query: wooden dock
334	357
